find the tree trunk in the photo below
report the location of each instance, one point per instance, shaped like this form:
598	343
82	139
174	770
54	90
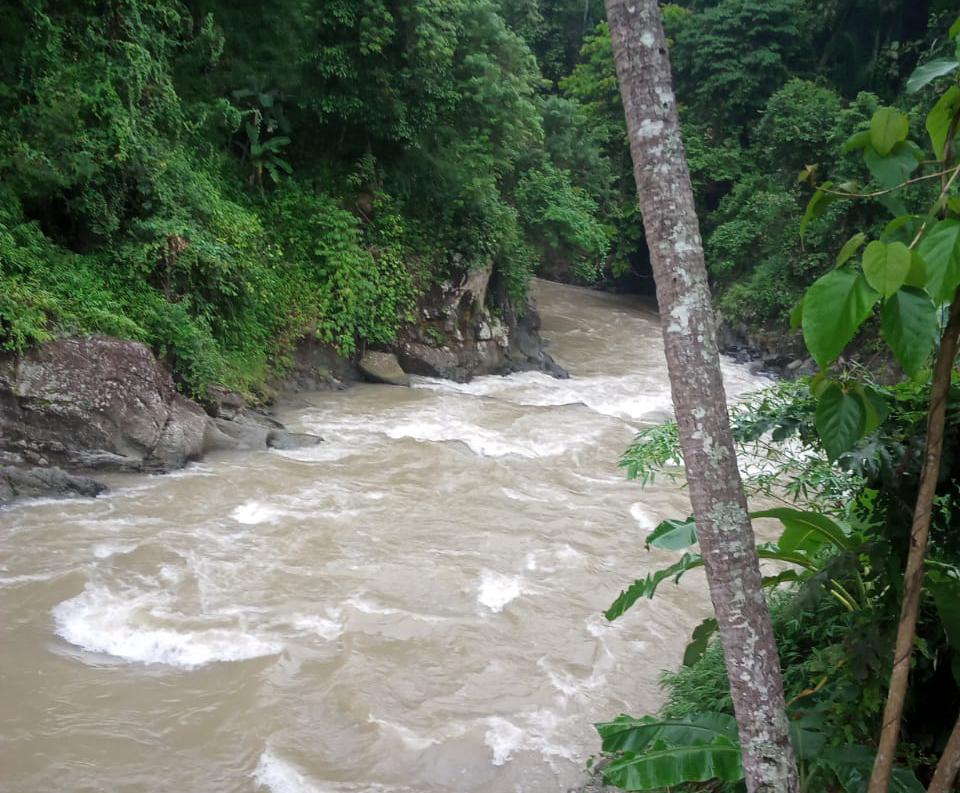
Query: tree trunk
949	764
689	333
913	576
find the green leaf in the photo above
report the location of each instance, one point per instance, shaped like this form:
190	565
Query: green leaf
673	535
908	321
940	118
806	531
901	229
663	754
857	141
669	766
893	168
806	737
954	29
841	420
783	577
918	271
629	734
940	249
834	308
886	266
850	247
887	128
875	404
946	596
853	764
799	558
930	71
699	641
819	201
796	315
647	587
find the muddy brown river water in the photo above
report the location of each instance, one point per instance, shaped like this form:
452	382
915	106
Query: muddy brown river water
414	605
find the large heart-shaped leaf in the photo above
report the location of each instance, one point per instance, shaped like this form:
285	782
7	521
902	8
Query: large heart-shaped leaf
908	321
885	266
841	419
887	128
895	167
834	307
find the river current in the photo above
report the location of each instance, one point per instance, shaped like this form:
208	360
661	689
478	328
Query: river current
412	606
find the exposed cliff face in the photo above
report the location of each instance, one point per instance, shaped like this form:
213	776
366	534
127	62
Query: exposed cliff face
457	337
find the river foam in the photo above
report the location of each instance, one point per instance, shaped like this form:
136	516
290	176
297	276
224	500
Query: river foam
126	626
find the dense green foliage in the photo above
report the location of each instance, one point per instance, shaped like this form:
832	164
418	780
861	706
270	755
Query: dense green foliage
220	179
835	604
766	90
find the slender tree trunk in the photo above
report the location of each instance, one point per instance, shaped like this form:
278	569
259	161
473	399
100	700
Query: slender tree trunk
949	765
913	577
689	333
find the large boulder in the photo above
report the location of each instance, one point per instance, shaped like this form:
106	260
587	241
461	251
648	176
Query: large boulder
383	367
96	402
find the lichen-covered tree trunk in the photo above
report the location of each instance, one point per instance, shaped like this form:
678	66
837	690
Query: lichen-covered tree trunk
689	333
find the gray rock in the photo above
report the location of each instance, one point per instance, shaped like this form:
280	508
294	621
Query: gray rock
44	482
240	435
221	402
96	402
429	361
383	367
282	439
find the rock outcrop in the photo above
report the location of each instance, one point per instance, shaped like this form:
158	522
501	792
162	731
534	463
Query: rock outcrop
457	337
18	482
104	404
96	403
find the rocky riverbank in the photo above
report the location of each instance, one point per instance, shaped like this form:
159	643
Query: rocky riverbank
78	406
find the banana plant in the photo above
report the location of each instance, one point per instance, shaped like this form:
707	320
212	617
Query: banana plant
808	541
265	155
650	753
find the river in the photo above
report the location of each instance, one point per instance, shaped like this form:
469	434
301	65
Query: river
414	605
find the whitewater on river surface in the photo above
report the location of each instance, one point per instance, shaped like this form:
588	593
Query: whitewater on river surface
414	605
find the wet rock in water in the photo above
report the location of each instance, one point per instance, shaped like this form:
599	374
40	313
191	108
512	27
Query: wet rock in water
251	430
383	367
282	439
45	482
96	402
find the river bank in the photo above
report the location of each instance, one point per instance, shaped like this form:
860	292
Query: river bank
75	407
